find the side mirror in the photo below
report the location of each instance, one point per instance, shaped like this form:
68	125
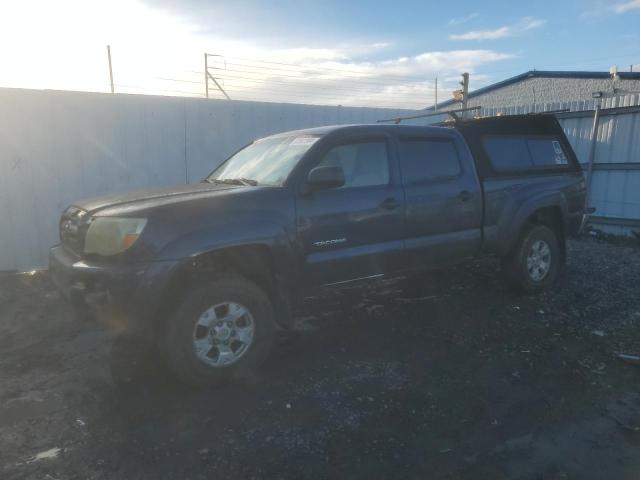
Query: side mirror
321	178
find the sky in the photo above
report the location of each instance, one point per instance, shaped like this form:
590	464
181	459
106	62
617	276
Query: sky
370	53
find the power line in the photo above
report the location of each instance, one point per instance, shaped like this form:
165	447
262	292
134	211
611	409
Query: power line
338	98
377	79
306	69
315	68
303	76
302	84
335	80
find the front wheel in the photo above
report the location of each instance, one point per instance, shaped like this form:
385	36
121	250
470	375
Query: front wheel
535	262
222	329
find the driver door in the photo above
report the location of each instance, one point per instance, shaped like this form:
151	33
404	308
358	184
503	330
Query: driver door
354	231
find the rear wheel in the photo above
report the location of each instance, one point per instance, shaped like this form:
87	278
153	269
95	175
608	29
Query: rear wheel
222	329
535	262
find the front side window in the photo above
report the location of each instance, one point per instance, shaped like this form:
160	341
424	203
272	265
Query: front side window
428	160
265	162
364	164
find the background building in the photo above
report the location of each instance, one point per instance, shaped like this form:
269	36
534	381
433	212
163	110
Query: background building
541	87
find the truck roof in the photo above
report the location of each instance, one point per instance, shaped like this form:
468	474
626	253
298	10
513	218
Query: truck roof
529	123
363	127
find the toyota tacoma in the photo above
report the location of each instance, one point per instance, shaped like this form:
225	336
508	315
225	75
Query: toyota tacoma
211	270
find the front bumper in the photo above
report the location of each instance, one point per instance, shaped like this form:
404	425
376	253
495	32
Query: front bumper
123	296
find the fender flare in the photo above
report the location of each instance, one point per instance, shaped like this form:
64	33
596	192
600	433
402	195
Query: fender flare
513	230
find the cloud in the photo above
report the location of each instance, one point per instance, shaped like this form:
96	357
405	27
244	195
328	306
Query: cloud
378	45
465	19
626	6
167	59
527	23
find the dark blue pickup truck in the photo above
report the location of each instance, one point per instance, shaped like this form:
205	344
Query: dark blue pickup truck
211	270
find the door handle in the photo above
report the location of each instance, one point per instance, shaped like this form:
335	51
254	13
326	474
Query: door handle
464	195
389	204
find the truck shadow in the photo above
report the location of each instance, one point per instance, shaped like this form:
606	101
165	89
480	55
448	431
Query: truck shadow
341	326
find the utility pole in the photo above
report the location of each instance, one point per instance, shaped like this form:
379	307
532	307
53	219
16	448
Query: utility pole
465	89
435	106
208	76
110	69
592	152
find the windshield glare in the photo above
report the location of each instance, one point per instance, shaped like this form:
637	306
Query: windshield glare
265	162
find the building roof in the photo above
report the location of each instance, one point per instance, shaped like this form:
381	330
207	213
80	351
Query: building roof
544	74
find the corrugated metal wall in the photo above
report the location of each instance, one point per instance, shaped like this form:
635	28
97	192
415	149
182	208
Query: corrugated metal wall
615	183
57	147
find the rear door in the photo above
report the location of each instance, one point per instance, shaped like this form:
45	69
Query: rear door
355	231
443	200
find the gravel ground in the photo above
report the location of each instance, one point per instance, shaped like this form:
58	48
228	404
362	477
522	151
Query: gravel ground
445	376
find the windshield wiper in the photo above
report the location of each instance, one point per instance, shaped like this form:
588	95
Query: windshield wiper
235	181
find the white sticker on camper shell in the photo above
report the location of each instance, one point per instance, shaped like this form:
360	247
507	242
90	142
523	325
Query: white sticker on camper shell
557	147
560	157
306	140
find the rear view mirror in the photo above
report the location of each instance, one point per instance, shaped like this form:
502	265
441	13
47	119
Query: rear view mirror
321	178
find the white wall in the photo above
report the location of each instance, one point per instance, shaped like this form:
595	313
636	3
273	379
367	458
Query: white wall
57	147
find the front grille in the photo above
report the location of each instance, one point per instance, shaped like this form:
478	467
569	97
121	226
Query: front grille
72	229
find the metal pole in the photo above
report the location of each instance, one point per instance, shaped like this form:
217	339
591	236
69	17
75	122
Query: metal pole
444	112
435	107
206	75
110	68
465	89
592	153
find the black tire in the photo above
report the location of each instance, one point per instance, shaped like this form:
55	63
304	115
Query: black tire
514	265
181	355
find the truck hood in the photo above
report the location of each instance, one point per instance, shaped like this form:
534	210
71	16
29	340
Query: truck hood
151	196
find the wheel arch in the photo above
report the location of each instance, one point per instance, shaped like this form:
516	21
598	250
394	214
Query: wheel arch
549	211
255	262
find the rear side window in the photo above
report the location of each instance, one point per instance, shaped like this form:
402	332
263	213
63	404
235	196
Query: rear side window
508	153
546	152
521	152
364	164
423	160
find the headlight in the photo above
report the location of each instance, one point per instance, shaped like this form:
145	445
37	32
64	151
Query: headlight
112	235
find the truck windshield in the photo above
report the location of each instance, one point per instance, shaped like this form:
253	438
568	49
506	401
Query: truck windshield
265	162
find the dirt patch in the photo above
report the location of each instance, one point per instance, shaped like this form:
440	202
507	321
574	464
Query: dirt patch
445	376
